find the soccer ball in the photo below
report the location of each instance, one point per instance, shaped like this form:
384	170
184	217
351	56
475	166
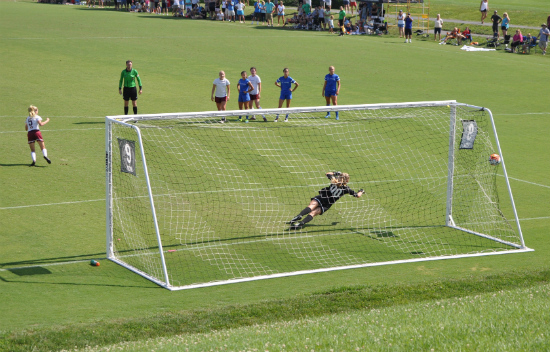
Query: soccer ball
494	159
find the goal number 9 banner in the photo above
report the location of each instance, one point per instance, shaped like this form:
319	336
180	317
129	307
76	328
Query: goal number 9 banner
127	156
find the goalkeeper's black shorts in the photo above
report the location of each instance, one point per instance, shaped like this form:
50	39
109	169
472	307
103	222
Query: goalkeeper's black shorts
324	203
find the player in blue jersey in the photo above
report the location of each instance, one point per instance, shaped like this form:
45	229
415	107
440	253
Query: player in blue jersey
285	83
245	87
331	89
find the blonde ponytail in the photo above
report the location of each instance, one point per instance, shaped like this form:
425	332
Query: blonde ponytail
32	110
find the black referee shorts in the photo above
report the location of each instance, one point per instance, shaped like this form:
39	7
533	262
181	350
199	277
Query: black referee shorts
129	93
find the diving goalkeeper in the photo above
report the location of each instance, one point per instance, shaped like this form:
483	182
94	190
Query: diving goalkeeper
326	198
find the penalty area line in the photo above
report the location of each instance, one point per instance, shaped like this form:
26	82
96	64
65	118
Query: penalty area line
62	203
529	182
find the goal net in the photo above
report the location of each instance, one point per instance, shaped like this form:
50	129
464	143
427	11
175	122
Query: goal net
194	202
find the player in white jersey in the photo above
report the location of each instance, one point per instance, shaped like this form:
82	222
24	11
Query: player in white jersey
32	126
221	88
255	94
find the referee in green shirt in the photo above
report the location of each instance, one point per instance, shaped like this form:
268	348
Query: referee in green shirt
129	76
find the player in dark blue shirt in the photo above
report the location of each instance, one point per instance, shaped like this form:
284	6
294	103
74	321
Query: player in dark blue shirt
245	87
285	83
326	198
331	89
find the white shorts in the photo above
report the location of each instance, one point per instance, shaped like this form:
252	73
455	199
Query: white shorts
230	12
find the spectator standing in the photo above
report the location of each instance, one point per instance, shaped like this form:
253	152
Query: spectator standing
341	18
543	38
353	4
195	4
256	14
331	24
438	24
401	23
408	28
496	19
262	12
32	126
240	12
285	83
269	6
505	24
331	89
483	8
345	5
230	11
306	8
328	3
280	12
128	77
220	92
321	13
328	18
548	22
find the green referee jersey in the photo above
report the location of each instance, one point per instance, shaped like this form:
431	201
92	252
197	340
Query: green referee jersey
129	78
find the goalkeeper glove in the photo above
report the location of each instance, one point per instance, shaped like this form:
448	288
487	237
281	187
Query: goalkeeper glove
359	191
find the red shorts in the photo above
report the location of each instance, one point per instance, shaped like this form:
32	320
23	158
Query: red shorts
220	100
254	97
353	3
33	136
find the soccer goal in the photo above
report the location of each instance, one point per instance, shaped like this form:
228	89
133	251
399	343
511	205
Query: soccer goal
192	202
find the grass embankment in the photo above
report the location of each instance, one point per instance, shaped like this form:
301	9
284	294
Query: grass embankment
316	308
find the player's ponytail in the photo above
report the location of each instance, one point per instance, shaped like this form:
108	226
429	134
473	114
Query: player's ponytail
32	110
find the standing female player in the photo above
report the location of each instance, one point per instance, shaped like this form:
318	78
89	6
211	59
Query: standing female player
256	92
221	88
245	87
285	83
331	89
326	198
32	126
129	76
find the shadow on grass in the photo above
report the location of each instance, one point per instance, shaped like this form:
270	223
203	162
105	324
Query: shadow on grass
27	165
38	262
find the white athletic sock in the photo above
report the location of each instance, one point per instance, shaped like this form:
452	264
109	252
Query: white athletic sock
45	152
33	156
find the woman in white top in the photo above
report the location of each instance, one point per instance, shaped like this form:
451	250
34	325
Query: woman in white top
484	8
32	126
401	23
438	24
280	12
221	88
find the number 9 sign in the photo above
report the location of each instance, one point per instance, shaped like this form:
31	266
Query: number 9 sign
127	156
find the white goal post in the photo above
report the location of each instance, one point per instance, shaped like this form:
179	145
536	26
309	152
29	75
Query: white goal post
192	202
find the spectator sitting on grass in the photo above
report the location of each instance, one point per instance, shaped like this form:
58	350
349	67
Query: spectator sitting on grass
517	40
219	15
455	34
293	20
467	34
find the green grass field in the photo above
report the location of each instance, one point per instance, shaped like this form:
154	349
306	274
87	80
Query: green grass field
67	61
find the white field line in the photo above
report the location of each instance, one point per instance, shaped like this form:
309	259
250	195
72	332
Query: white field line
237	190
68	129
531	183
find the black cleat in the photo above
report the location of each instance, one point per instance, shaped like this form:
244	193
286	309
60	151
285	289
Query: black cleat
296	218
33	163
297	226
48	160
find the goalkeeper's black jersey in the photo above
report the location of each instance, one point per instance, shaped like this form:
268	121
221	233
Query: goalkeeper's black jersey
330	195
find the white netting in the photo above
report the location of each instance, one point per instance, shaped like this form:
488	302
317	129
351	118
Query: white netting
224	193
